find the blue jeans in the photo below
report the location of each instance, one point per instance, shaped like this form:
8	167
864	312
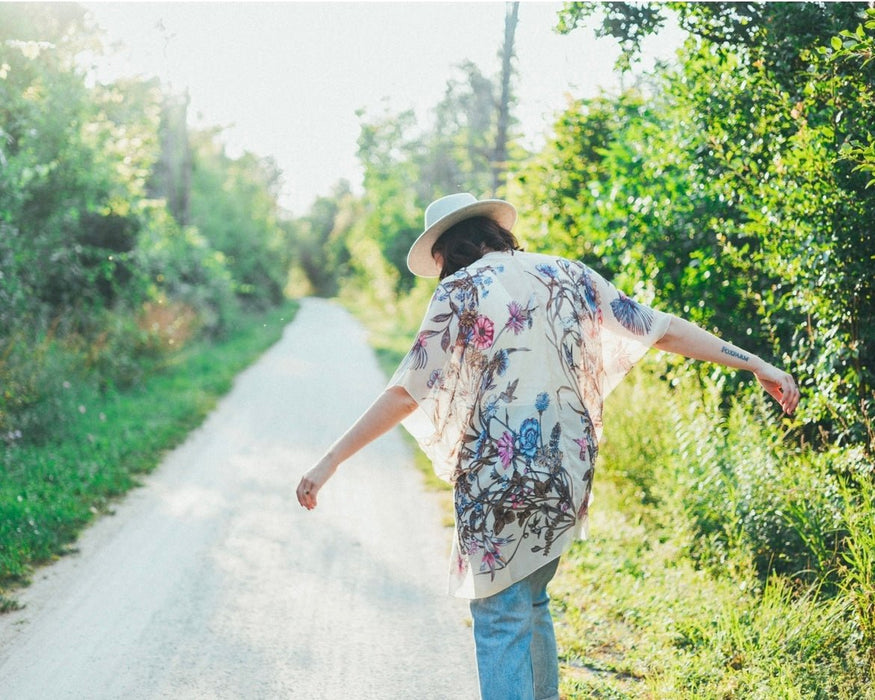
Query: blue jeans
514	641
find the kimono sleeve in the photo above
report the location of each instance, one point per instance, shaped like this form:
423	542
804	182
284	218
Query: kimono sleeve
629	329
426	373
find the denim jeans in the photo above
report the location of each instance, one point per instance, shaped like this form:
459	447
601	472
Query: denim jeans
514	641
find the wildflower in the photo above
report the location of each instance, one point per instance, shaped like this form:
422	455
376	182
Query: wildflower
501	362
547	270
589	292
490	409
467	319
488	562
529	437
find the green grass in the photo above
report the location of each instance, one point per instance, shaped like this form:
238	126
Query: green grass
655	606
50	491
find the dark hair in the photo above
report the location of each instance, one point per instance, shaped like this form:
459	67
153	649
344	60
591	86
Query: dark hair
467	241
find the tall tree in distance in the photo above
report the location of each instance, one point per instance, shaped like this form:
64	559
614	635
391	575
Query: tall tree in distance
171	177
499	158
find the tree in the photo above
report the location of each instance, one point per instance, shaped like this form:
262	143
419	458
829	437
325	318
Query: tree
234	206
499	158
72	162
171	177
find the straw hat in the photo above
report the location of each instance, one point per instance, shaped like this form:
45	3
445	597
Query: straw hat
446	212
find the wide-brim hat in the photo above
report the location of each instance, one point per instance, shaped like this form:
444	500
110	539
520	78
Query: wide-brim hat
446	212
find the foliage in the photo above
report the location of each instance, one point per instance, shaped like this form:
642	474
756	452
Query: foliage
62	200
319	241
234	206
407	165
678	592
101	273
182	270
732	550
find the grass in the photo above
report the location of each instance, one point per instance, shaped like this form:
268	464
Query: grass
50	491
642	611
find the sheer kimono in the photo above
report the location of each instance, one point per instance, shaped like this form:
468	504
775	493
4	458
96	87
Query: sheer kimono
510	370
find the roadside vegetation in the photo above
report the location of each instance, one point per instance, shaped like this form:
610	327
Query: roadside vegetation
106	439
732	551
141	267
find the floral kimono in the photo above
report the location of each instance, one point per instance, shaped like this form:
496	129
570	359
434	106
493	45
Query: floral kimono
510	369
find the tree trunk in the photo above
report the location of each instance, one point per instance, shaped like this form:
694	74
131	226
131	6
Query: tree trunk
172	176
499	157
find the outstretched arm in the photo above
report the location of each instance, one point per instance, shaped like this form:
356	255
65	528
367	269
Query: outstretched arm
687	339
392	406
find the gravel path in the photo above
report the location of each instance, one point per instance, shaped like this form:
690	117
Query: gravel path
211	581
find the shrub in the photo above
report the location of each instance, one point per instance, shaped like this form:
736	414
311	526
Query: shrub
183	275
35	374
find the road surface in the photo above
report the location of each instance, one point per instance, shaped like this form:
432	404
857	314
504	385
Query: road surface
212	582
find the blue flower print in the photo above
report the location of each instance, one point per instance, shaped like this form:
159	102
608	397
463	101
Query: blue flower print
501	361
434	378
490	409
542	401
589	291
632	316
529	437
547	270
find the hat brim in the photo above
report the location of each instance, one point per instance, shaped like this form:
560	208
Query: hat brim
419	259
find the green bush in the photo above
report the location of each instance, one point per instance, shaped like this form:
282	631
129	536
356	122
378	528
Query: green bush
36	372
180	269
775	537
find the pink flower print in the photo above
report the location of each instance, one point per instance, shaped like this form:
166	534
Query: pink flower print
505	449
489	559
418	353
517	318
483	332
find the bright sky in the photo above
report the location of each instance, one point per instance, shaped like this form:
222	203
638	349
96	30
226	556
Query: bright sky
286	79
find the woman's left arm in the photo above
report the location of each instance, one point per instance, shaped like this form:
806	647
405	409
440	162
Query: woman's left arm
687	339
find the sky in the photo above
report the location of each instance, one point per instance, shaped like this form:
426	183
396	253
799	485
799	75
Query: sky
287	79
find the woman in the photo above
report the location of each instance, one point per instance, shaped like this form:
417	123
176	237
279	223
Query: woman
503	389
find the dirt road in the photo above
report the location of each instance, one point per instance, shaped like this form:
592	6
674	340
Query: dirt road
211	581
